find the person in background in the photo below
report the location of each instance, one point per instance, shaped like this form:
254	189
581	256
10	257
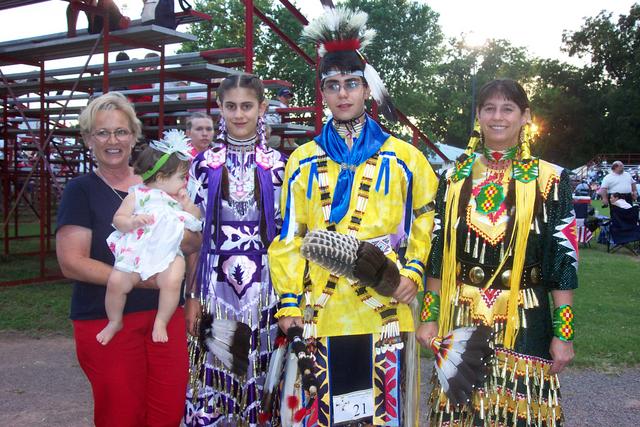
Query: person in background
505	245
95	22
283	99
284	96
120	57
617	200
618	181
582	189
201	131
135	381
141	97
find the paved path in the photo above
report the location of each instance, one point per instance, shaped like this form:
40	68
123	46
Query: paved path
41	384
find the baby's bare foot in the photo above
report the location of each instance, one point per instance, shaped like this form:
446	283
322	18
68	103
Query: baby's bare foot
108	332
159	333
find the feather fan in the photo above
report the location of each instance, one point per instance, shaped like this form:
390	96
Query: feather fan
349	257
461	360
274	373
228	341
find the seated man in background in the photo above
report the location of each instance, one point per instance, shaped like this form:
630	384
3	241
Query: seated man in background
618	181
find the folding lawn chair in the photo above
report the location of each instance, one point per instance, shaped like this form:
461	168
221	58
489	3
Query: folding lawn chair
624	229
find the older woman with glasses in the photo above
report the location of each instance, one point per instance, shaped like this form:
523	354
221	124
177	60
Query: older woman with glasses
135	381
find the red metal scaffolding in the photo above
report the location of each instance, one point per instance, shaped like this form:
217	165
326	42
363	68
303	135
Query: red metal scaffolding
39	176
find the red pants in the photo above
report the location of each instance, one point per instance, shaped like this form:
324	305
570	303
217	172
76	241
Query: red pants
135	381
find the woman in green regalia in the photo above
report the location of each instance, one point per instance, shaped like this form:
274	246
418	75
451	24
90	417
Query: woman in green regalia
504	240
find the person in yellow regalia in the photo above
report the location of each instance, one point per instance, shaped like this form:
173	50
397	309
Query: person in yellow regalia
506	241
356	180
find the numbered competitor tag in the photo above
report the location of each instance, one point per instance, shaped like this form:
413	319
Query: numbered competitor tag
353	406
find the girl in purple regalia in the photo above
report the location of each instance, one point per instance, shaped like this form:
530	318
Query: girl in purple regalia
237	185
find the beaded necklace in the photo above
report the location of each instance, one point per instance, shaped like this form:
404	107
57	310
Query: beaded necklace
495	156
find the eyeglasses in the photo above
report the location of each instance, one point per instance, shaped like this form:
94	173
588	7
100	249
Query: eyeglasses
103	135
349	86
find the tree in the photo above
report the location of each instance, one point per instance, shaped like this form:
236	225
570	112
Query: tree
279	61
614	50
406	50
272	58
226	28
612	47
568	108
450	117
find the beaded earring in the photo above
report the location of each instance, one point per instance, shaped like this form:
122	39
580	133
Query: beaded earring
476	138
525	141
262	131
222	129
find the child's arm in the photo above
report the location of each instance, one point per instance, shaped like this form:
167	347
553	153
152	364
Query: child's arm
125	220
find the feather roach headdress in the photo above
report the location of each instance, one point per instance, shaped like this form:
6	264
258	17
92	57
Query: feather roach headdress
341	34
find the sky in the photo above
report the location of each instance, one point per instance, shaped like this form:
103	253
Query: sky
539	29
536	26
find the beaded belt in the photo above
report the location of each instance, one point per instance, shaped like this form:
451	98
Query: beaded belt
478	275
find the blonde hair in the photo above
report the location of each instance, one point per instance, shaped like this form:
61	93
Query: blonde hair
112	101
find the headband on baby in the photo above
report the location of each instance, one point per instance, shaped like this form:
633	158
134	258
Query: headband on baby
173	141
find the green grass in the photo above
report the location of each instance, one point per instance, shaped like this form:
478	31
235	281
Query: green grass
606	305
16	265
597	205
606	308
36	309
33	309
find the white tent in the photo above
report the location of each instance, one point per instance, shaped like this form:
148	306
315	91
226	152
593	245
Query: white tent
450	151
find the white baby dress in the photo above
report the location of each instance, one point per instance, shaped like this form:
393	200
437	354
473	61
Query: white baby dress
150	249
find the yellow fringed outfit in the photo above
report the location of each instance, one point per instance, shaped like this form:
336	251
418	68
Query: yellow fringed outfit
391	201
402	176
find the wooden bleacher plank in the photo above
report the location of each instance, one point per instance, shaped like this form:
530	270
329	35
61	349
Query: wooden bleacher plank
82	44
10	4
181	58
123	80
196	72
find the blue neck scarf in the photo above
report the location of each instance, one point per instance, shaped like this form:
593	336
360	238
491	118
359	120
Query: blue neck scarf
366	145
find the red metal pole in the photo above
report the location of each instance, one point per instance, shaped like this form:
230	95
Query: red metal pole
50	176
283	36
105	53
5	178
295	12
318	104
248	36
374	111
16	211
161	104
42	192
209	106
